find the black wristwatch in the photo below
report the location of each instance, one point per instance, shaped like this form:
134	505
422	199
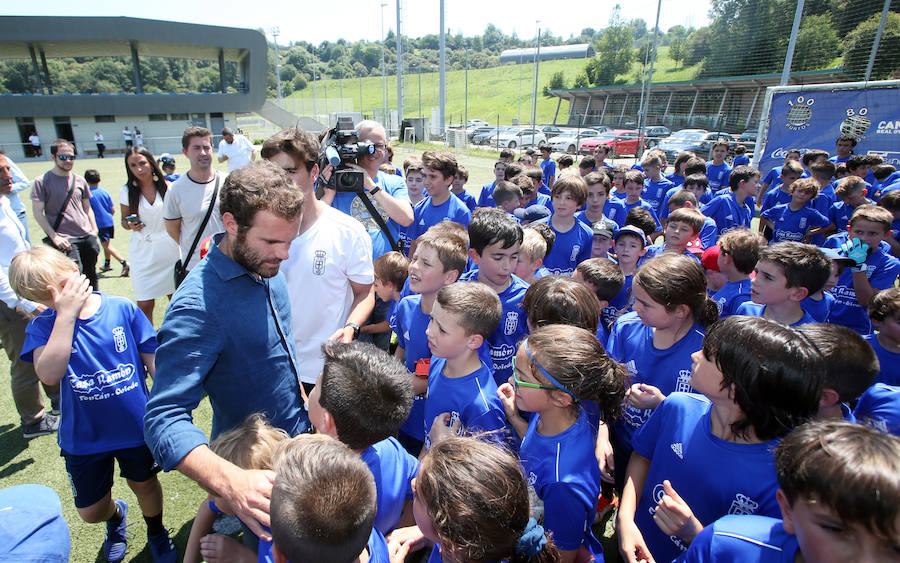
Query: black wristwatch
355	328
375	190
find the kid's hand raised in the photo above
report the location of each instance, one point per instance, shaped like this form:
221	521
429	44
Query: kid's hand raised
507	396
643	396
674	517
443	426
70	297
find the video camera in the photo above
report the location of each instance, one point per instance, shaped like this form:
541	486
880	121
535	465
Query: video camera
340	147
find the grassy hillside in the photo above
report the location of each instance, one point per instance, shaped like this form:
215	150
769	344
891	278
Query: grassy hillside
494	93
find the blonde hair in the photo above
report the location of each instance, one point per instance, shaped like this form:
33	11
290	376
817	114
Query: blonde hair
533	245
251	445
32	271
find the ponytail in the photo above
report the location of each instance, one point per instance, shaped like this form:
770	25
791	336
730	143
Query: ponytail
708	314
672	279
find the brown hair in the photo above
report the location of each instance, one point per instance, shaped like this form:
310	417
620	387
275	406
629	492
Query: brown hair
675	279
595	178
851	365
392	267
478	501
256	187
134	185
804	265
688	216
885	303
634	176
505	191
681	197
194	131
442	161
808	185
604	275
512	170
742	245
412	164
452	250
849	185
574	185
462	173
476	306
874	214
302	146
792	167
824	168
561	300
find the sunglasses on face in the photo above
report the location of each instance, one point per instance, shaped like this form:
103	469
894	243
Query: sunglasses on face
65	157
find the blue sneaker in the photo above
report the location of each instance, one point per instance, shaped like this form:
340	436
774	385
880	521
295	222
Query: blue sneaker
116	541
162	548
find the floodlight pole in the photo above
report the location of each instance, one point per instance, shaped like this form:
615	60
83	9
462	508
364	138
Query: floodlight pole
537	59
383	71
642	119
789	56
399	70
275	31
442	111
871	64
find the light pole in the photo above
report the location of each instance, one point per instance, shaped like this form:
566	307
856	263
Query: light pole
275	31
383	71
537	57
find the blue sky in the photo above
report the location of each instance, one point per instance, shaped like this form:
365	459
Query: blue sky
361	19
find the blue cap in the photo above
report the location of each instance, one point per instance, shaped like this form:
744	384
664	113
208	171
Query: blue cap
532	213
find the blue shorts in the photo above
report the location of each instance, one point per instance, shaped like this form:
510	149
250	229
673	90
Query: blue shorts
106	233
91	476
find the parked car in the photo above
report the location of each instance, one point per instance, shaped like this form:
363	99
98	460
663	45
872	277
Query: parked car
748	139
478	130
550	131
654	134
699	141
476	122
484	137
519	137
571	141
619	141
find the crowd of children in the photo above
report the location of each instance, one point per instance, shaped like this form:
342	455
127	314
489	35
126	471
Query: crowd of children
734	392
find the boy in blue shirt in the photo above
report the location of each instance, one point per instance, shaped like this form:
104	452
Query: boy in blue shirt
737	258
361	398
685	198
458	189
507	196
879	407
634	189
656	185
718	170
797	220
740	156
99	348
439	168
682	227
548	166
324	504
856	524
104	210
494	241
773	176
787	272
730	210
438	260
460	383
598	205
884	312
391	270
486	199
873	269
573	238
852	192
790	173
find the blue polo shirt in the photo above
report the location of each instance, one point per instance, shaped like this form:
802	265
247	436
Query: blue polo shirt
390	183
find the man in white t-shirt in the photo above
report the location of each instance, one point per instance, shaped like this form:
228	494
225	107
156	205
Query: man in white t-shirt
35	143
189	197
236	150
128	135
329	269
98	138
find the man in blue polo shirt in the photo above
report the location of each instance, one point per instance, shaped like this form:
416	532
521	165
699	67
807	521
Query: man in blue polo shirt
227	333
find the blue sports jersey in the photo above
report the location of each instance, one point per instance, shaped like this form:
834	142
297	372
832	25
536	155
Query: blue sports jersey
392	311
709	234
393	185
570	249
377	547
879	406
675	179
818	309
881	271
793	225
773	198
105	379
503	342
615	210
731	296
840	212
645	205
618	305
752	309
741	160
409	325
426	215
549	169
773	178
742	538
468	199
393	469
728	213
631	343
889	362
656	249
102	205
471	399
715	477
718	175
655	193
486	198
565	476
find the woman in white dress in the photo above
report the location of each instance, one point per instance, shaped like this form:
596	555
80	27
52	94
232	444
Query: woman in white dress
152	252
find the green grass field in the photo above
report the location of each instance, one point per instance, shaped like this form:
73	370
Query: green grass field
38	461
494	93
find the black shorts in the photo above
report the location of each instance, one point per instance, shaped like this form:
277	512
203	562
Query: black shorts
91	476
106	233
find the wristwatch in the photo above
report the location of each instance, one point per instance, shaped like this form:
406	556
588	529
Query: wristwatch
355	328
375	190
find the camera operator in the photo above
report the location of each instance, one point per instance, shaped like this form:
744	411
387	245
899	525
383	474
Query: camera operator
387	192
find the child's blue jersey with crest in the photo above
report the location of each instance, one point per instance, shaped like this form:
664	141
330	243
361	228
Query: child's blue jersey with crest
393	469
731	296
887	360
819	309
760	539
570	249
793	225
409	325
645	205
618	305
879	406
471	399
468	199
564	473
631	343
718	175
655	193
486	198
751	309
728	213
103	394
426	215
615	211
713	476
773	198
881	271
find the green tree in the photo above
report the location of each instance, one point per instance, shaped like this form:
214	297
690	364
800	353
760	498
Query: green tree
581	80
557	82
817	44
696	46
848	14
676	49
614	52
859	42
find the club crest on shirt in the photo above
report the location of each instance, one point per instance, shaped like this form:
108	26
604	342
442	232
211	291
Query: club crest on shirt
319	263
119	339
742	504
511	323
575	250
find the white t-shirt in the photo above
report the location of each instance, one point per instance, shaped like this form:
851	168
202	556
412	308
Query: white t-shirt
98	138
187	200
35	140
323	261
238	152
127	134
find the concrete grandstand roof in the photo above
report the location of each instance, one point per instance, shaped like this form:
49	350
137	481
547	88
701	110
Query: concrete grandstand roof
556	52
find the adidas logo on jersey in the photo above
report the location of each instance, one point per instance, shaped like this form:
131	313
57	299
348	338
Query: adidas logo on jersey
678	449
729	217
